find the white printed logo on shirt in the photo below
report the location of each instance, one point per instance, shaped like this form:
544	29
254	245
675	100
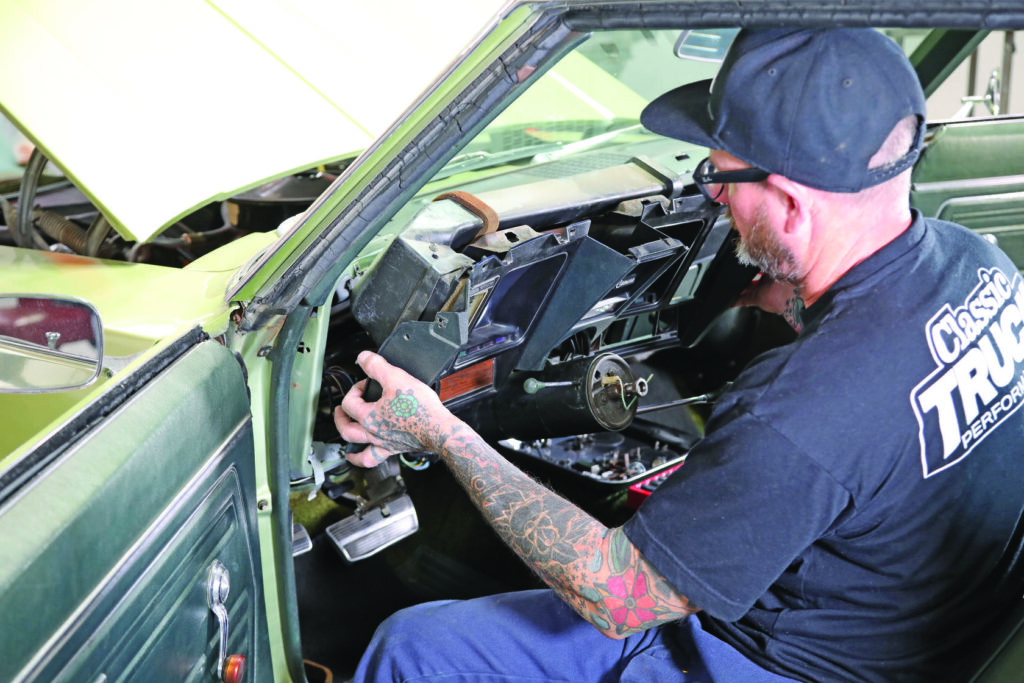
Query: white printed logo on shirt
978	348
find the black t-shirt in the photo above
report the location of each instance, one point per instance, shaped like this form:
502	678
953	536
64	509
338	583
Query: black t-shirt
852	512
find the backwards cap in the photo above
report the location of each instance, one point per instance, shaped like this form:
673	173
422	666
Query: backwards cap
813	105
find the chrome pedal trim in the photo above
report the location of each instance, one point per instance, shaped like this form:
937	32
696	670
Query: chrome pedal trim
370	531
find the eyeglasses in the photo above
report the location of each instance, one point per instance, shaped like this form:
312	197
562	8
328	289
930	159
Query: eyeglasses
711	182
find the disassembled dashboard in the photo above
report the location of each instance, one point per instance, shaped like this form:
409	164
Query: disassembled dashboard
521	307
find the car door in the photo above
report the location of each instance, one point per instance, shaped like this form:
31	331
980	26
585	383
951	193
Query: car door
112	526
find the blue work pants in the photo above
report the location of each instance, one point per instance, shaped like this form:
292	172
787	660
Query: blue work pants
535	636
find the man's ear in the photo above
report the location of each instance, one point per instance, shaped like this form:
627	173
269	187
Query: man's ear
796	202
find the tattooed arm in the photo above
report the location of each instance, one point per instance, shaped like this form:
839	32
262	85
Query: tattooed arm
774	296
595	569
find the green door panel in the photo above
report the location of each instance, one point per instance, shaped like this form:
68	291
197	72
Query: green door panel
107	551
970	173
156	623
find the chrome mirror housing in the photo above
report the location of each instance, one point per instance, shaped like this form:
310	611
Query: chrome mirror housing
48	344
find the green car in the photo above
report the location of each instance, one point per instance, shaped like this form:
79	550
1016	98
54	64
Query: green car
228	201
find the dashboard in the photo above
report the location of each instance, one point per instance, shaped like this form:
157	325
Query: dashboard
531	309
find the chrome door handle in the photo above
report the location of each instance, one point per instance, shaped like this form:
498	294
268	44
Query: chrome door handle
218	587
230	668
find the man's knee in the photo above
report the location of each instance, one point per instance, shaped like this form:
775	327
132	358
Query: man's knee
400	642
455	638
408	625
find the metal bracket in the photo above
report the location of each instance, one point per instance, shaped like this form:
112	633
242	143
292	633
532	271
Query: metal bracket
318	472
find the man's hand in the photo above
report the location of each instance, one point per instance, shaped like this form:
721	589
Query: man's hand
782	298
408	418
595	569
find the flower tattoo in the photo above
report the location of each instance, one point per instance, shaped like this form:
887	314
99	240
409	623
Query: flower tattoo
629	602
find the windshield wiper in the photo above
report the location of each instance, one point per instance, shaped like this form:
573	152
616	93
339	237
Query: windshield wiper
474	161
584	144
537	153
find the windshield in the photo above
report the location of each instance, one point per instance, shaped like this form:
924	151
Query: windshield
583	115
591	98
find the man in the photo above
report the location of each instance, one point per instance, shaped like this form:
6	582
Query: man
853	510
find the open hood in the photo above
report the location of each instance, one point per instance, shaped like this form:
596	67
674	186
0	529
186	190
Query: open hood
185	101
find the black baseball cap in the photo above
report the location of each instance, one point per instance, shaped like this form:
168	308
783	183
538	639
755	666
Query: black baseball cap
813	105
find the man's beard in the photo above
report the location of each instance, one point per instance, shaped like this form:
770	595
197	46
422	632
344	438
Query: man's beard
763	249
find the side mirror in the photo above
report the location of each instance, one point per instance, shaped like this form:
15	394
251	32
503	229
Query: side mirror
48	344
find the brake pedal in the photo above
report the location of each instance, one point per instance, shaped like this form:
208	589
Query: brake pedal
371	530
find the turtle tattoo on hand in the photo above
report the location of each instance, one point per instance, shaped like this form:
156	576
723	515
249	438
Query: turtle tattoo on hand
404	405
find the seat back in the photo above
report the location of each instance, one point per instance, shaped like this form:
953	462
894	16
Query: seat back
970	173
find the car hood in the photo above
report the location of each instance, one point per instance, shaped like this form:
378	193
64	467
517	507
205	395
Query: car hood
176	104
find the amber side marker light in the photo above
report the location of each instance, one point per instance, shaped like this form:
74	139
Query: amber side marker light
234	669
466	380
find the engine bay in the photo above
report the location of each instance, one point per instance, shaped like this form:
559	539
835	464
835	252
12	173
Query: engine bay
43	210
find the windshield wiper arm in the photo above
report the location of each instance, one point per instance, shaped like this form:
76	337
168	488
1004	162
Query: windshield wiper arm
568	148
538	153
